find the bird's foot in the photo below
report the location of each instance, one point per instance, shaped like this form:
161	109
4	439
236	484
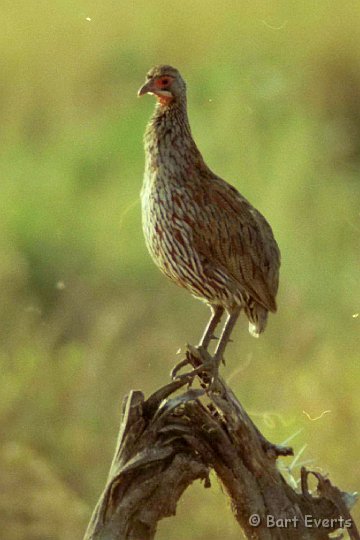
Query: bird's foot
205	366
178	367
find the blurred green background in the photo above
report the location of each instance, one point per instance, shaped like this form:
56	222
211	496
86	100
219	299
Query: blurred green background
274	103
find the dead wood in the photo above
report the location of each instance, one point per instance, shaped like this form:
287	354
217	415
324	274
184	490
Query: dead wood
175	437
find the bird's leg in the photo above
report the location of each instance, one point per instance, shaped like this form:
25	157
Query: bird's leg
210	365
225	336
216	314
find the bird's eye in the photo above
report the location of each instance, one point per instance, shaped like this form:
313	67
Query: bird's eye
162	82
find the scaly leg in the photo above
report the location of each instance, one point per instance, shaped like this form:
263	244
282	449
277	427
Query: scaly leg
225	335
216	314
210	365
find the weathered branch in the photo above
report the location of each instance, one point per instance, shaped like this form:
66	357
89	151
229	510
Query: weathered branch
168	441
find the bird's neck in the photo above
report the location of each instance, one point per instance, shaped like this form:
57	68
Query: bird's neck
169	142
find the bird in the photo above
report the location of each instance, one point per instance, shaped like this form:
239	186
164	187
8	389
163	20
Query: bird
200	231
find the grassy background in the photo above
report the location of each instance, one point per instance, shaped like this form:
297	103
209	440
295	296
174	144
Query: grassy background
274	102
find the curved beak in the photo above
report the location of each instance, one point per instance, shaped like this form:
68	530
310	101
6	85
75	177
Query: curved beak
146	88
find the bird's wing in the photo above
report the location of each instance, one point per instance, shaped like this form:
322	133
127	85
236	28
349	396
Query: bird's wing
232	234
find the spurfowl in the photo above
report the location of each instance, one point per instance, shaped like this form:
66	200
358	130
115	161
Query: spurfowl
200	231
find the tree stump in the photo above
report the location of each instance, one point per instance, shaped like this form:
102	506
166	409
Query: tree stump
175	437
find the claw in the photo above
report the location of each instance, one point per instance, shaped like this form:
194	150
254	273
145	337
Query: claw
177	367
208	369
204	365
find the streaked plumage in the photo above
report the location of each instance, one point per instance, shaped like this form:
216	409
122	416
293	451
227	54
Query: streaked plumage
200	231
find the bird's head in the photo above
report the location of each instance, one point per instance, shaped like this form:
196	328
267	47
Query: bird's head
166	83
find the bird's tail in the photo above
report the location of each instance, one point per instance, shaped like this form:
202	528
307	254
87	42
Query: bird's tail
257	321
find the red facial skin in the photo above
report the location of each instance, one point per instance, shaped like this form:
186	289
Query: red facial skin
163	84
158	86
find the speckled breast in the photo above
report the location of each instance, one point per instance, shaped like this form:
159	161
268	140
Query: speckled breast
168	234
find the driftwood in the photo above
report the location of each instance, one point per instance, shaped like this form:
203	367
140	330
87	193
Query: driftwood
171	439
